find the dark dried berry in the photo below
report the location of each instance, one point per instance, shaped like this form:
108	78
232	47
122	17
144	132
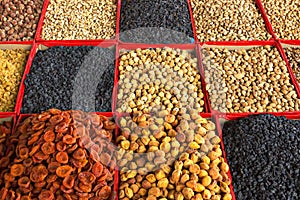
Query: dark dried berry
263	155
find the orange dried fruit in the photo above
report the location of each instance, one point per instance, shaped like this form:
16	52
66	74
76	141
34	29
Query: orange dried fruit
46	194
48	148
85	187
68	139
38	126
40	184
54	111
64	171
27	162
38	173
61	146
23	153
87	177
79	154
34	149
97	169
49	136
32	140
52	166
68	182
44	116
62	127
62	157
56	119
105	192
17	169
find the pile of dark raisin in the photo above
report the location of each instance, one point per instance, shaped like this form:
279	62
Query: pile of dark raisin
70	78
263	153
155	21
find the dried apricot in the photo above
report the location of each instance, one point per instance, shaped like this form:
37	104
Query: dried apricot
86	177
38	173
105	192
49	136
97	169
68	139
48	148
79	154
17	169
68	182
46	194
62	157
64	171
61	146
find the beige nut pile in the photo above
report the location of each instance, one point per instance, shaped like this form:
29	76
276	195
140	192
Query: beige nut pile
293	55
79	20
253	80
12	66
284	16
152	77
223	20
178	160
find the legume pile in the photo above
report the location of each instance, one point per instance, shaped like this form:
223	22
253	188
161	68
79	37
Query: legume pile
171	157
284	16
223	20
52	159
154	77
79	20
293	55
12	66
70	78
19	19
165	21
263	155
253	80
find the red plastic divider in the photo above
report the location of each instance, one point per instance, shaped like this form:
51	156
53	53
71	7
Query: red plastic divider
247	44
131	46
292	75
290	42
193	21
118	21
219	131
41	23
18	45
103	44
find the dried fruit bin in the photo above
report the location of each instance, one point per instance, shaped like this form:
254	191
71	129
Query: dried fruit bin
110	116
265	28
40	46
17	45
291	44
222	118
44	13
283	18
18	18
152	26
211	136
248	45
191	48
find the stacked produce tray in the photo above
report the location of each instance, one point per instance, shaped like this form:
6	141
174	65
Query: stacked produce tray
194	54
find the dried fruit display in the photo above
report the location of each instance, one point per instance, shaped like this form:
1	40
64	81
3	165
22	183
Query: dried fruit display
171	157
249	80
293	55
284	16
19	19
70	78
80	20
164	77
263	155
58	155
155	21
12	66
223	20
